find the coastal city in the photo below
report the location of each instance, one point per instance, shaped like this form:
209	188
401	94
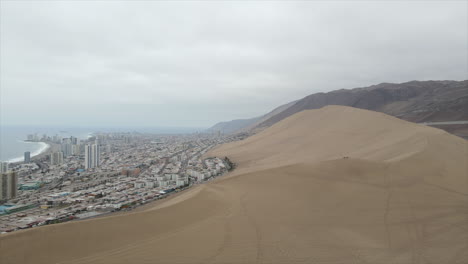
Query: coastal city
105	173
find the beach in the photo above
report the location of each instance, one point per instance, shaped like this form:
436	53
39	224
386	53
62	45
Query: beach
13	143
51	147
44	147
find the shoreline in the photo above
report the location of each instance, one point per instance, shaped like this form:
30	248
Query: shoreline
43	148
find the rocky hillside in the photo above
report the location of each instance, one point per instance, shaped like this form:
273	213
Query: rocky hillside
232	126
242	125
416	101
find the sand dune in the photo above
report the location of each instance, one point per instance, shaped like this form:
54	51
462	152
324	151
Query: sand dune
400	196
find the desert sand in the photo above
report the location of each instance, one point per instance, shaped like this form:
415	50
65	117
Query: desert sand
333	185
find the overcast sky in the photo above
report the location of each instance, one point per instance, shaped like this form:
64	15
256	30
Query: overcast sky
192	64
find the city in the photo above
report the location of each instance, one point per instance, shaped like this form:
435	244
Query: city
267	132
105	173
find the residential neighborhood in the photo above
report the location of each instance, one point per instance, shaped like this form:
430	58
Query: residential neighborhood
105	173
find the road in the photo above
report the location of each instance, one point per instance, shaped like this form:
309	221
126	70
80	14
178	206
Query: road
445	123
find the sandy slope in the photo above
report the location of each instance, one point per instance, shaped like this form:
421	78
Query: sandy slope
400	197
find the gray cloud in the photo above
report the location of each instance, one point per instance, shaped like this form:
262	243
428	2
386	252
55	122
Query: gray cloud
195	63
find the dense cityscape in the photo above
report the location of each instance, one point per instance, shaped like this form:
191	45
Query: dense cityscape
107	172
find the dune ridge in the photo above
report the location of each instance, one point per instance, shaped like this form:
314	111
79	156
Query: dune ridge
333	185
334	132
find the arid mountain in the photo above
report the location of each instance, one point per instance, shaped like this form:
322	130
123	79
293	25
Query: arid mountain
242	125
425	101
321	186
233	126
416	101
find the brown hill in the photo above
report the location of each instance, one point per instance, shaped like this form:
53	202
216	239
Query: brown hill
245	125
360	187
416	101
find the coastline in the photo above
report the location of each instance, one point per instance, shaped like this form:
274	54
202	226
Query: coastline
43	149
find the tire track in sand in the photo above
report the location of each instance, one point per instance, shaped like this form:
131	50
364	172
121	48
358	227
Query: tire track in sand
255	225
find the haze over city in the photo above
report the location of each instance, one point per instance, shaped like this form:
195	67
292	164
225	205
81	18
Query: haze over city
195	63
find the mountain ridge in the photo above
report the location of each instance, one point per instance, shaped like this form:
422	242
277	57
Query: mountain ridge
244	125
415	101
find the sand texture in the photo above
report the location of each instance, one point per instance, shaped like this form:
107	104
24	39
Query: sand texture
400	196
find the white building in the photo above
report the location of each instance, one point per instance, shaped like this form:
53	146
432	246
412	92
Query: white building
161	178
76	150
181	181
139	184
56	158
92	156
163	183
96	152
199	175
150	184
88	157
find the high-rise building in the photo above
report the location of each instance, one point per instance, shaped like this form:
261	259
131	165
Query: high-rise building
96	155
56	158
27	157
88	157
67	148
74	140
8	185
3	167
76	150
92	156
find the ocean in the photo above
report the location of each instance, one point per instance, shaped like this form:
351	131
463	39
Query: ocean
13	146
